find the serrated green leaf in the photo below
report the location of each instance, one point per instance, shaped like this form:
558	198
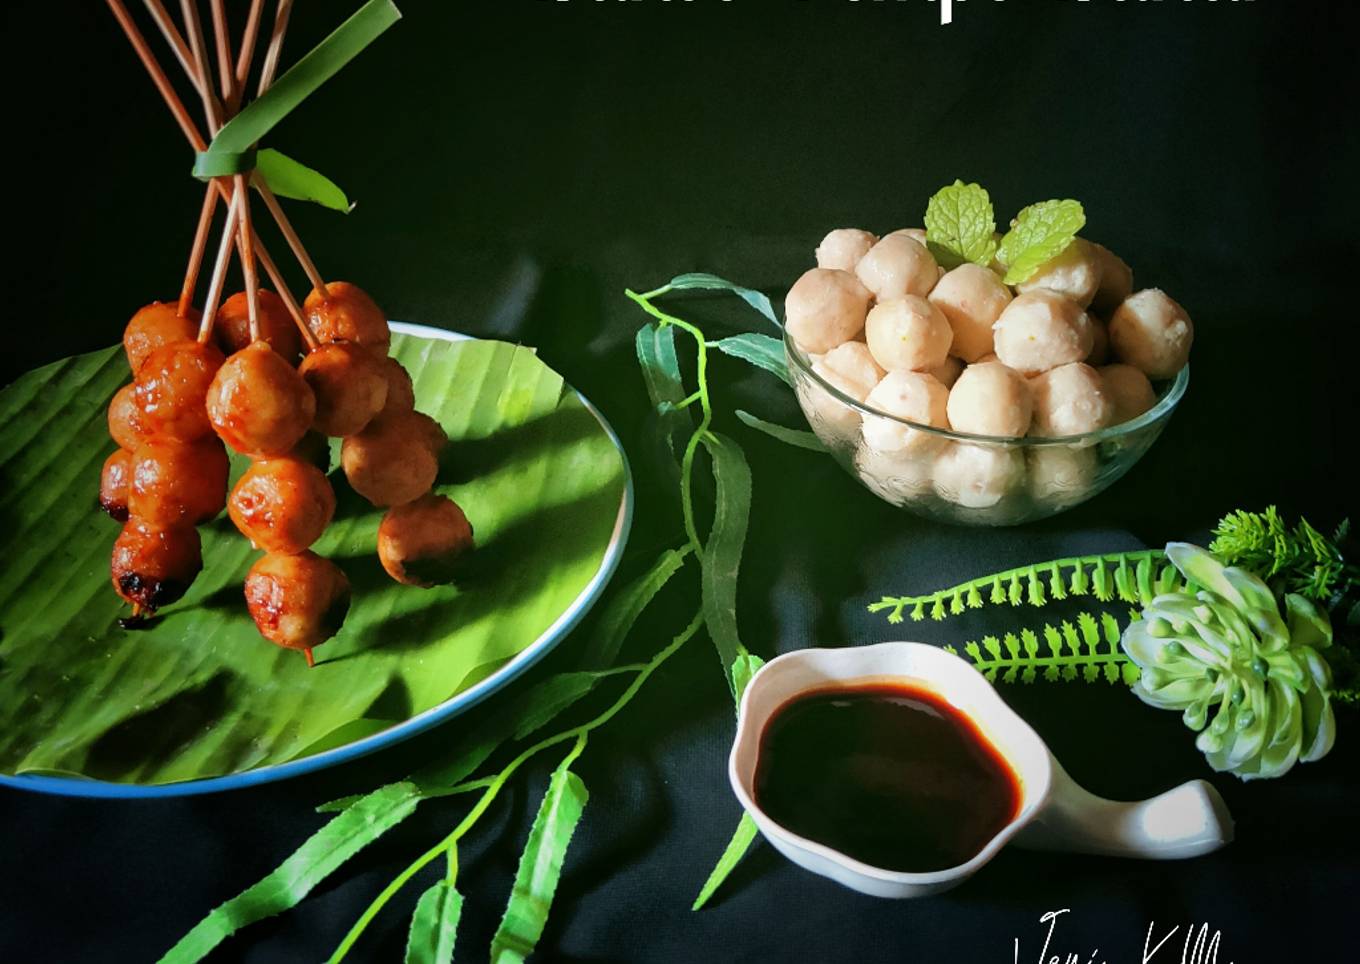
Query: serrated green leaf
555	696
198	693
627	604
1012	644
1036	589
722	551
1040	233
761	351
324	852
960	225
1090	632
712	282
736	849
540	866
434	925
1053	639
1070	638
292	179
992	645
746	666
666	389
789	436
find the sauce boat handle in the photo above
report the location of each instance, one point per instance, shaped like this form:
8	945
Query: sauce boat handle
1188	821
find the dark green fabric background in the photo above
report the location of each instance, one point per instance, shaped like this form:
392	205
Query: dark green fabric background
516	164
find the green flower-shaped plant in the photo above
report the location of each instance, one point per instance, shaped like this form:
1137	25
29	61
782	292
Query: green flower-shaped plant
1222	643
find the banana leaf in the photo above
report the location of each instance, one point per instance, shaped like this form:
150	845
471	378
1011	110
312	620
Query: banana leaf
198	693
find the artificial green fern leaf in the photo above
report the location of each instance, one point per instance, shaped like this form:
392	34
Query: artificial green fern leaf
1087	649
1027	585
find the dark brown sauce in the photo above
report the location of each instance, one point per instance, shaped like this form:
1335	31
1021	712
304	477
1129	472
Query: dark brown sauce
887	773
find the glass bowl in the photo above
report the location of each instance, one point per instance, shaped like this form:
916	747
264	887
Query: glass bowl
977	480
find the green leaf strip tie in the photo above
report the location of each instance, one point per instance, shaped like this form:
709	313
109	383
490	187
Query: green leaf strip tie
231	151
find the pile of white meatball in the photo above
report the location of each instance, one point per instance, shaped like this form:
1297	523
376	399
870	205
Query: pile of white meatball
1069	351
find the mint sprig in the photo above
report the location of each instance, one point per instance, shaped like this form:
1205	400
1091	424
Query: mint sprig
1039	234
960	225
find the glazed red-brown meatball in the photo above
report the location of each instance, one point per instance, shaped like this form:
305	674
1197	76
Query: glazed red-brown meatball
392	461
297	601
172	387
113	484
259	404
155	325
430	431
178	482
231	327
401	394
152	566
125	420
423	542
347	313
282	504
350	386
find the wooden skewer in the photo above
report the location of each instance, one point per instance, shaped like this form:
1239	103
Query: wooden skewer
289	302
219	276
205	216
173	38
196	141
247	54
271	57
248	259
225	71
289	234
167	92
197	46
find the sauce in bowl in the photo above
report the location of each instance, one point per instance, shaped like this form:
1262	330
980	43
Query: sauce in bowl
888	773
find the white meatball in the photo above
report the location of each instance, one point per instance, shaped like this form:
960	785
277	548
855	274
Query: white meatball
1116	280
1060	474
1075	274
897	266
825	308
1129	391
972	298
851	369
990	399
1042	330
1070	400
949	372
914	396
895	477
907	334
916	234
977	476
1152	333
1100	342
843	247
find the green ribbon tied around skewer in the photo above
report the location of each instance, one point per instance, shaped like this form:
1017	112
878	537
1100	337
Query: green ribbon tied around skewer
233	150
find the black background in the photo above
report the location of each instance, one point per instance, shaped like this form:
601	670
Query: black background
517	163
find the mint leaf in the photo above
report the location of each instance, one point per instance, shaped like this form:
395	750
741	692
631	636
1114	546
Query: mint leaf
960	223
1040	233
